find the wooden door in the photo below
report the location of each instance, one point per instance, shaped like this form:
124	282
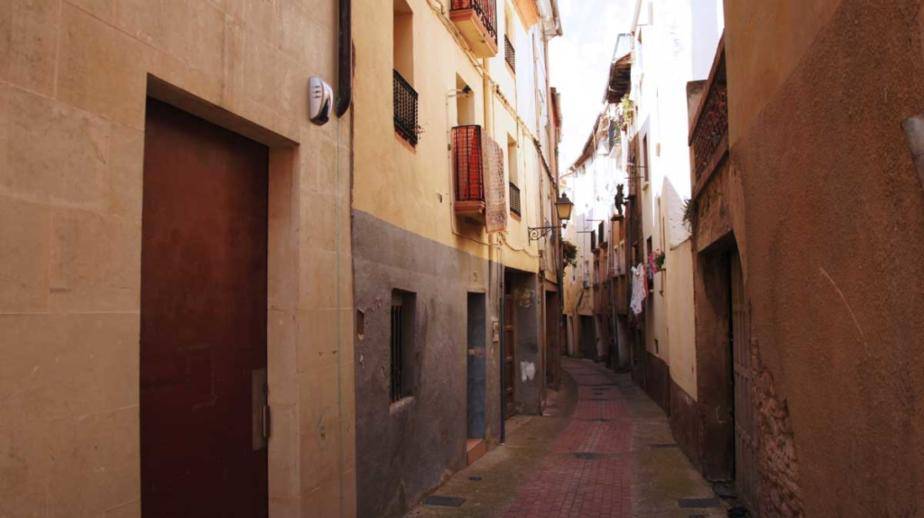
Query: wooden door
203	319
745	447
510	367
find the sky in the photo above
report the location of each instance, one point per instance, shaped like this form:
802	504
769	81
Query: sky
579	64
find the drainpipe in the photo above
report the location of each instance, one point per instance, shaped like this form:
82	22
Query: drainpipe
345	60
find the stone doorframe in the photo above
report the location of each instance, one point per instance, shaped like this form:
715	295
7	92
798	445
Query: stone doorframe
282	269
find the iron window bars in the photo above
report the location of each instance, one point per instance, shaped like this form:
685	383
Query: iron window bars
515	199
397	351
405	109
510	54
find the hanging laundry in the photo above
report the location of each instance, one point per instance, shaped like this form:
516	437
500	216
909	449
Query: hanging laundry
639	289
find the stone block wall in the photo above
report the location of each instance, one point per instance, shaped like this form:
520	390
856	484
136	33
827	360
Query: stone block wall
74	79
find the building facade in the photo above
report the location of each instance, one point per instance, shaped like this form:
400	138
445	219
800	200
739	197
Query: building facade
808	228
456	306
174	257
631	185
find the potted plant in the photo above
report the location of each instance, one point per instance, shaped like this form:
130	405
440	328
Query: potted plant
569	253
657	261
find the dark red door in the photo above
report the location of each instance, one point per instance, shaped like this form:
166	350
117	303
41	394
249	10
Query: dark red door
203	319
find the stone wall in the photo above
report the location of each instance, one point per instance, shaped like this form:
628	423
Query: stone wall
779	492
75	76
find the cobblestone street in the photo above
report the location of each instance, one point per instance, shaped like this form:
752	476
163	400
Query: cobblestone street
603	449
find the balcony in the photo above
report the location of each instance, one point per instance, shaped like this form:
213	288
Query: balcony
405	109
515	199
510	54
477	21
709	127
468	172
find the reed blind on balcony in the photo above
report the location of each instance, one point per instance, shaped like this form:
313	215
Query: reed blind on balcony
468	163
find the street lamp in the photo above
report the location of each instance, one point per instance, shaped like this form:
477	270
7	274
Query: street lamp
563	208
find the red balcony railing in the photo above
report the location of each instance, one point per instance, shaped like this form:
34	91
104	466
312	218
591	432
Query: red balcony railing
477	20
468	170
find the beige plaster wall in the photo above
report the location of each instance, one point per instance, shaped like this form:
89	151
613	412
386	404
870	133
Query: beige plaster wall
680	316
74	76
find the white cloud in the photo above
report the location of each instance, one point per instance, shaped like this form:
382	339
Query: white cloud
580	63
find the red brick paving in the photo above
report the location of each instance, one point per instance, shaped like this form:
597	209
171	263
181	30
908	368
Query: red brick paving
597	487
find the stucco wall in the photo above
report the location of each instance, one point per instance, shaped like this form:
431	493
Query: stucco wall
680	317
405	448
74	76
833	235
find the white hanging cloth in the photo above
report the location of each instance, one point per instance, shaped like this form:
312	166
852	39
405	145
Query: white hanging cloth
639	291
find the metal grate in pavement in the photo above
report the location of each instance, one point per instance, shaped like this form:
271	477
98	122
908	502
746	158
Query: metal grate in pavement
444	501
698	503
587	455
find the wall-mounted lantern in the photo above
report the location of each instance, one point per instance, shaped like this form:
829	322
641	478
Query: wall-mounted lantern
563	208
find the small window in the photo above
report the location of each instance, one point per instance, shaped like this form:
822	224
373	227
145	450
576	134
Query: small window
403	40
402	344
465	103
512	160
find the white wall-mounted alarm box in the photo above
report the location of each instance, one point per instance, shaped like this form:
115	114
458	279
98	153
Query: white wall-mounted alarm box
320	100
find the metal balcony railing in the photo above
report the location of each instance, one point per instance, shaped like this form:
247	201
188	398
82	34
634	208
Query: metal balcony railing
510	54
515	199
405	109
709	129
486	11
468	163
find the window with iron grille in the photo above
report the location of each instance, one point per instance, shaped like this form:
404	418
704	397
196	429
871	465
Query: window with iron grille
510	54
402	344
405	109
515	199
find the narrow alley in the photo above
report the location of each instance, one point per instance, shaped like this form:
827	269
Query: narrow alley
602	449
461	258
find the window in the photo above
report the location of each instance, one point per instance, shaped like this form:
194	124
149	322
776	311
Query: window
513	176
465	103
510	54
512	159
403	304
645	163
405	97
403	40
